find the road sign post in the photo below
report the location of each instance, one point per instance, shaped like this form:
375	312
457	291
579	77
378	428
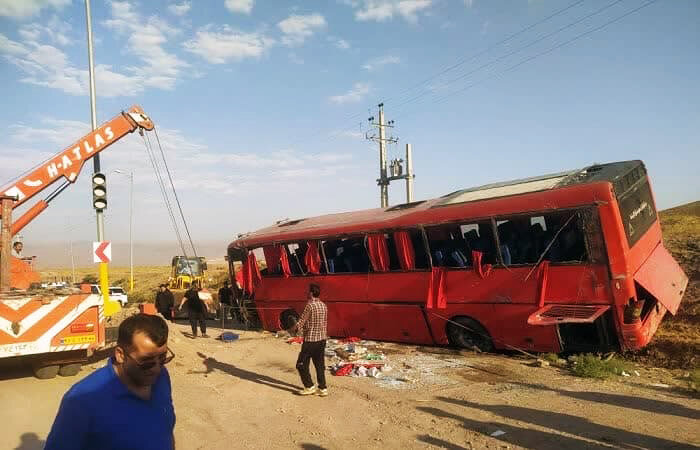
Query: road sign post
102	254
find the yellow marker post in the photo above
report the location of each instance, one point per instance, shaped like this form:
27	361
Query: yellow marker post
111	307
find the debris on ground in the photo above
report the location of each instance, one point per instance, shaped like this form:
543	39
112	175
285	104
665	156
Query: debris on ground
228	336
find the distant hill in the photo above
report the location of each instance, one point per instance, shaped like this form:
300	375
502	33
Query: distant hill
689	209
58	255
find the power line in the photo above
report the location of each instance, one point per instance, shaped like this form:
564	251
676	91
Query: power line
538	55
177	200
447	69
518	50
491	47
163	191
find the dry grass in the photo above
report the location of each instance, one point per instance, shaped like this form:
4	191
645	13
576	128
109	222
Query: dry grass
146	278
677	341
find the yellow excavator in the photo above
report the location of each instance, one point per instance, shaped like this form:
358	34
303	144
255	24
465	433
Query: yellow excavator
186	270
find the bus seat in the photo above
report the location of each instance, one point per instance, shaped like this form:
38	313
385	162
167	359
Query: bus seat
458	258
505	254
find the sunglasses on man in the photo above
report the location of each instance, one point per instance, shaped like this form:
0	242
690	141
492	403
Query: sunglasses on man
162	359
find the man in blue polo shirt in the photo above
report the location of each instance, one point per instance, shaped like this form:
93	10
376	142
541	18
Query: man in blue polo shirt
128	403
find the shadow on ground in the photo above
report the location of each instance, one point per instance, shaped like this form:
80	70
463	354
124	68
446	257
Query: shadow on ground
30	441
213	364
580	432
624	401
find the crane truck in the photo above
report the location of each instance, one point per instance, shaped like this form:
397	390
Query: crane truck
54	330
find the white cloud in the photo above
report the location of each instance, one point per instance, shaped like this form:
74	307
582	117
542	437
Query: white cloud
349	134
377	63
146	38
340	43
383	10
22	9
239	6
180	9
468	3
297	28
10	47
195	165
226	44
354	95
49	66
206	177
56	30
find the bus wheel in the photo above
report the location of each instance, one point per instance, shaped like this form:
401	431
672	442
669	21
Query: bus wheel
69	370
45	372
467	333
288	319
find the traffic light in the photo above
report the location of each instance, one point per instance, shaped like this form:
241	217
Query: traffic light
99	191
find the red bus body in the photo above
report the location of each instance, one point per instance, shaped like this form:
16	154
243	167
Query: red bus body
539	307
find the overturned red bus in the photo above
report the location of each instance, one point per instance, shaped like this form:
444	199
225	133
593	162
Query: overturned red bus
572	261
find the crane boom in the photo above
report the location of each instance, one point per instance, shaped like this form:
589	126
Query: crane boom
68	163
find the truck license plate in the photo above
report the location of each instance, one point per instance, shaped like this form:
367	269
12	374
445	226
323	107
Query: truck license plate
72	340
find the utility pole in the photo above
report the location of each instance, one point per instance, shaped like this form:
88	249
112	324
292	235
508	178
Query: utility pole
409	174
395	171
110	307
383	180
72	260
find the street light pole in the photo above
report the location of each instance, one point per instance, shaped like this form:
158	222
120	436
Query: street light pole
130	174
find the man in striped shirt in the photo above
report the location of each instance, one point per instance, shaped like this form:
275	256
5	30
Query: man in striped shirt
313	324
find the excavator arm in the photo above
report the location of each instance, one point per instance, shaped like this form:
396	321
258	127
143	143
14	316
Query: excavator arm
68	163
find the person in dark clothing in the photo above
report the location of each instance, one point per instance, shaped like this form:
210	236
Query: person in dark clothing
225	298
226	294
165	301
196	309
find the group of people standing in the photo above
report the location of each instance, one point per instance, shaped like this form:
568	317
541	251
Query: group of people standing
135	386
197	302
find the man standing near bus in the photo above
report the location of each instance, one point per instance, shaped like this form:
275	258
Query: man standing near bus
314	325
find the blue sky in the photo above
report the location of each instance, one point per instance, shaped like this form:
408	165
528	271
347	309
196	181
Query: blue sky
262	106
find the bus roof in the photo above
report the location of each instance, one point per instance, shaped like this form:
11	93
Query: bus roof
473	202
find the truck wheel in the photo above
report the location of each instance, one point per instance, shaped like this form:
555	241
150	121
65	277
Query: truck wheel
69	370
46	372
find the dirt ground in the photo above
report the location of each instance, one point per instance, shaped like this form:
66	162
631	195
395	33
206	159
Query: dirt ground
241	395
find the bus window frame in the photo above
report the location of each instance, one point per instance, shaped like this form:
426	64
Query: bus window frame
593	255
458	223
390	231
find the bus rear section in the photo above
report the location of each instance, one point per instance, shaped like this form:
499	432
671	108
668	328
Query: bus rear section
646	280
51	331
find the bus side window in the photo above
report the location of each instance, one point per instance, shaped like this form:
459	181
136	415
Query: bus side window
346	255
422	260
447	246
569	245
393	256
295	255
518	244
478	237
